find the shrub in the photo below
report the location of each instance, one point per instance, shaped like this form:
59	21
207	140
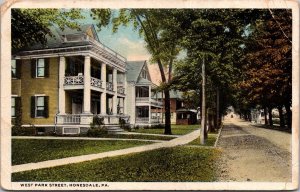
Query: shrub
23	131
97	128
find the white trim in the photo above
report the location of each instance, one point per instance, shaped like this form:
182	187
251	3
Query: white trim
39	95
28	125
63	130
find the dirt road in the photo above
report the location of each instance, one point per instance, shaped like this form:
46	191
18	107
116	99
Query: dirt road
254	154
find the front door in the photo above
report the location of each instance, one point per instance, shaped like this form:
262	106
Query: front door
76	108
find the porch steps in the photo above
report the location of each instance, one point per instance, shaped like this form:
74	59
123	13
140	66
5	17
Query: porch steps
113	129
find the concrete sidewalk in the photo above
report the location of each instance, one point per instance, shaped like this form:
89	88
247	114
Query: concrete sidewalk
77	159
85	138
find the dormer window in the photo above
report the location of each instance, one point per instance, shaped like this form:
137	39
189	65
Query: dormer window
74	37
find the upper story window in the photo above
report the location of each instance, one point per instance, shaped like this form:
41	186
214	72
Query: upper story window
40	68
144	74
15	69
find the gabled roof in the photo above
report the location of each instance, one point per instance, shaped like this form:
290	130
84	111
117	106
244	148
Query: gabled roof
56	40
134	69
173	94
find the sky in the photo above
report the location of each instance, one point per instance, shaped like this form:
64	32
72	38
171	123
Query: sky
126	41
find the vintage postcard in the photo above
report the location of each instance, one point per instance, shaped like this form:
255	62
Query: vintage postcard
149	95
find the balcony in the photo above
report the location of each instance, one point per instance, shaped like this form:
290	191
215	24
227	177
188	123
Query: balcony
145	101
121	88
73	80
77	82
109	86
96	82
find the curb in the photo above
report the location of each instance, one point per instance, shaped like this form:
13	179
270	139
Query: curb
216	142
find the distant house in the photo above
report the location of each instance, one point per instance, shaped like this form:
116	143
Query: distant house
179	114
142	99
186	116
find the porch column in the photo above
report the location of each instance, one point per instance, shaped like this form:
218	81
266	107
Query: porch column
103	94
61	91
149	104
115	88
87	85
125	98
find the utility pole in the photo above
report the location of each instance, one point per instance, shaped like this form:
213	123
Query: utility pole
218	108
203	118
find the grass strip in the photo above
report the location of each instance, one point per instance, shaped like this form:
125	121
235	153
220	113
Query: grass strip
177	164
36	150
176	129
211	139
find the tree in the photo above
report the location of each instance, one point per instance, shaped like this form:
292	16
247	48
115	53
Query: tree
268	64
30	26
153	25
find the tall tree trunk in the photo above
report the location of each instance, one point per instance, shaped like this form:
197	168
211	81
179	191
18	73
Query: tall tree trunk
203	118
281	117
265	114
215	121
167	113
288	115
270	116
218	109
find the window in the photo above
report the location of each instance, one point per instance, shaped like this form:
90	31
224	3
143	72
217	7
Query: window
39	106
144	74
39	68
13	107
15	69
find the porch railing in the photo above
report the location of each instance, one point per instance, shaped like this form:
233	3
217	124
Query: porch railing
121	90
109	86
68	119
142	119
142	99
155	102
96	82
73	80
146	120
146	99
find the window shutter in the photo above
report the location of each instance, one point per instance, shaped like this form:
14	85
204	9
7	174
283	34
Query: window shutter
47	60
18	68
18	111
32	107
18	105
33	68
46	111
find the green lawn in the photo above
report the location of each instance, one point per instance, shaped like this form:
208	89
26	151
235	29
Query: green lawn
35	150
211	139
167	164
176	129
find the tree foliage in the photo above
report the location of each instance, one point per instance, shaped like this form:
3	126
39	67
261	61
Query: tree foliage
30	26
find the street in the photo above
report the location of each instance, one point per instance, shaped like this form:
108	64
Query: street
254	154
